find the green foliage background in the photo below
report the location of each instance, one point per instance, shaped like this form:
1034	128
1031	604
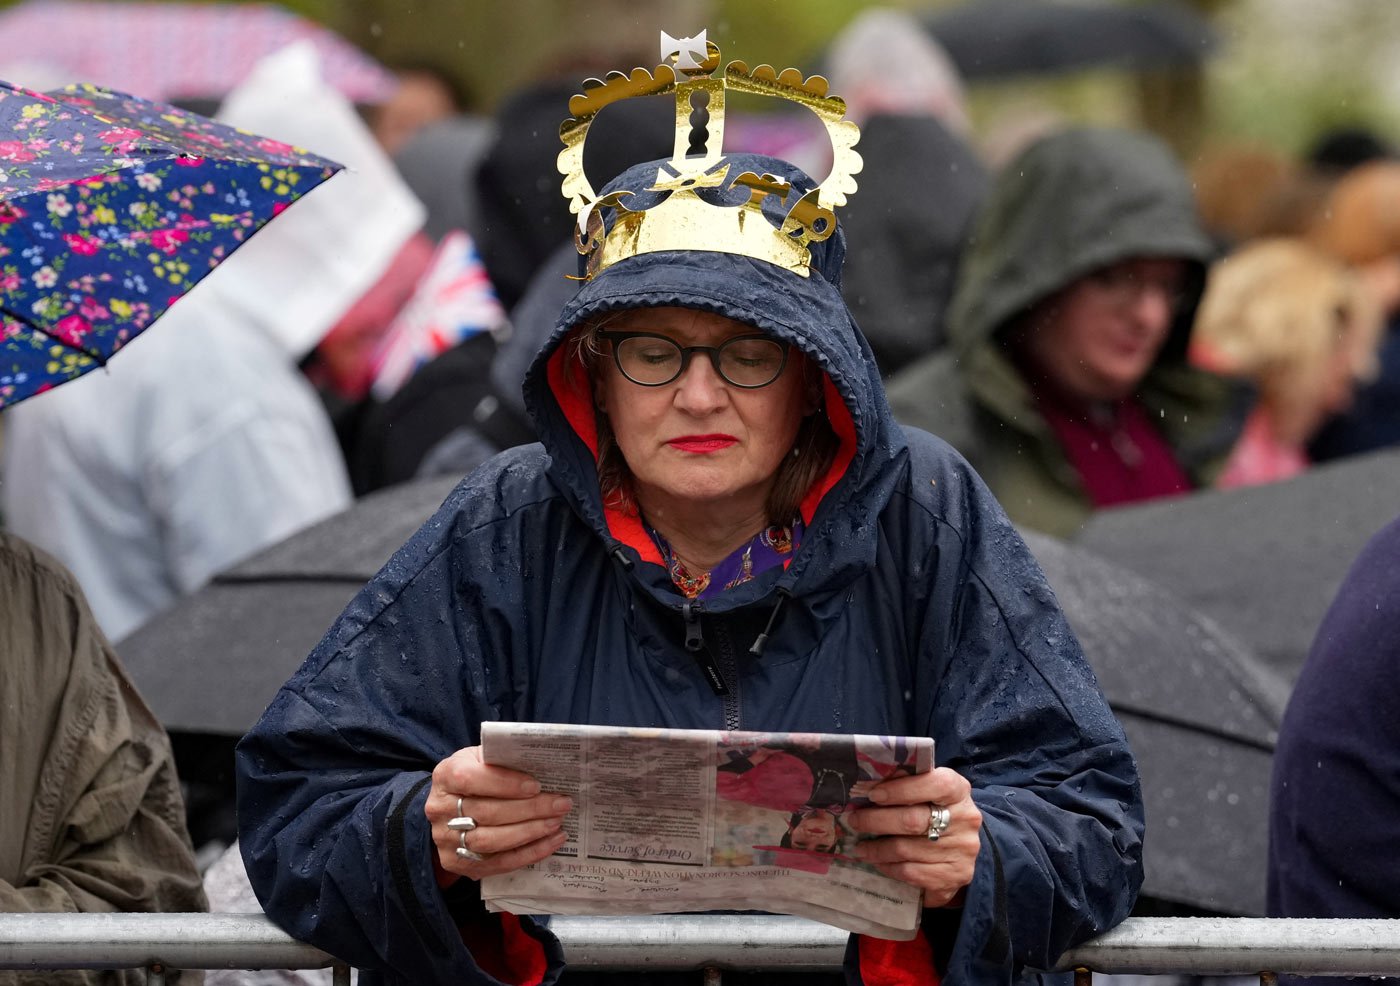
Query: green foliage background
1287	68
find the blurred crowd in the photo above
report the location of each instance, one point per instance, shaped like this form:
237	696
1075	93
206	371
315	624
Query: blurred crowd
1091	320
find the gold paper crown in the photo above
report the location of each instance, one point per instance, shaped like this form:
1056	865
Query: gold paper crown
683	220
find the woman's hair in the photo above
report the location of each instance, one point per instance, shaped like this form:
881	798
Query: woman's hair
813	450
1361	223
1275	312
838	841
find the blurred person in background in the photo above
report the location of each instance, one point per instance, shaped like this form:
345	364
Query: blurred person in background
1303	330
1067	383
1245	191
342	364
523	220
1334	815
92	819
431	376
407	358
921	182
1361	227
1338	150
439	164
150	477
426	94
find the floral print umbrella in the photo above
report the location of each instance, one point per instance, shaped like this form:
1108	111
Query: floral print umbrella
111	208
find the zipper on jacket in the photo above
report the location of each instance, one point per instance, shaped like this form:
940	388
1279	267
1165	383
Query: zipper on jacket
695	643
729	671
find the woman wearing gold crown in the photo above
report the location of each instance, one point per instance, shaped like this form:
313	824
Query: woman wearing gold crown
723	527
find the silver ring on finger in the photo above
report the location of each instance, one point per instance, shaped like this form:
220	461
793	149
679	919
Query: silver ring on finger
939	818
465	853
462	823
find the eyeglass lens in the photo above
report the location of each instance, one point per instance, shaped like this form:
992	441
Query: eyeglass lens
744	361
1122	287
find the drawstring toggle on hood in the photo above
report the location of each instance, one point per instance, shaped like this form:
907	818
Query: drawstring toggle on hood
619	553
762	640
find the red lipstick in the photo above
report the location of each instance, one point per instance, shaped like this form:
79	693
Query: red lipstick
702	444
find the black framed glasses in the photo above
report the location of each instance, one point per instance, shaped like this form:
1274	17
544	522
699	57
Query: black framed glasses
651	360
1123	286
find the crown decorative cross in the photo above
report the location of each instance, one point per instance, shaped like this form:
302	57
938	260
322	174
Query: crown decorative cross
683	220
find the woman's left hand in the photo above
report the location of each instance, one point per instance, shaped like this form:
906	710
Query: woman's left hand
942	867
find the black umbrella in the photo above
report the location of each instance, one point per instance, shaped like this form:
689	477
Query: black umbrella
1201	716
213	661
1263	561
998	38
210	664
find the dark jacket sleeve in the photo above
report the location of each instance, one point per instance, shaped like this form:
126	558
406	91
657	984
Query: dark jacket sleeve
333	778
92	816
1015	708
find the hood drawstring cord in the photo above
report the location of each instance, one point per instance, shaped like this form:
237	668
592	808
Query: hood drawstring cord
757	649
620	554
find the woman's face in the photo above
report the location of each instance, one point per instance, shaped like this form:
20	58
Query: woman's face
816	832
1097	339
700	439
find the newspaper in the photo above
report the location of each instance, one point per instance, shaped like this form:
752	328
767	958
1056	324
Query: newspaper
672	820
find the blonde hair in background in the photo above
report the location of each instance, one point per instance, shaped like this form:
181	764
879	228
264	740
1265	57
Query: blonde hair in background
1276	312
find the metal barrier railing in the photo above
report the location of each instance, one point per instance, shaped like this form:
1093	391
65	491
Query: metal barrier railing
708	943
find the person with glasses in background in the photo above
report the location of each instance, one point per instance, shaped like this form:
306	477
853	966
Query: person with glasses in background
1066	383
721	528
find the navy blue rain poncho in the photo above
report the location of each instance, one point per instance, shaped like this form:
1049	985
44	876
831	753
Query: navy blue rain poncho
911	607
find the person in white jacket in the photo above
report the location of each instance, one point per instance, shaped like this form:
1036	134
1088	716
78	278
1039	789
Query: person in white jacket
206	443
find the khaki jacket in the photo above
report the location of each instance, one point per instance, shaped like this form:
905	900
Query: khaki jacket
91	817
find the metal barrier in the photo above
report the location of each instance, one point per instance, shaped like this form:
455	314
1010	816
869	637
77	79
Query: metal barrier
708	943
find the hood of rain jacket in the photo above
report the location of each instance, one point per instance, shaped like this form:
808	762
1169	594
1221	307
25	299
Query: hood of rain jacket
911	607
1070	204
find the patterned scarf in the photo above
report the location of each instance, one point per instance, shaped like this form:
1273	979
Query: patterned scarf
771	546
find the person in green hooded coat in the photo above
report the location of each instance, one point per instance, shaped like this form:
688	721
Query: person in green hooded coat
1066	382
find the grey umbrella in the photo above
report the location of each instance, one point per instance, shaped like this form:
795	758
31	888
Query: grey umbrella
1201	716
998	38
212	663
1262	561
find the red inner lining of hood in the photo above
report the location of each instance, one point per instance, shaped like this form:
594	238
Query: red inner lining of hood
571	390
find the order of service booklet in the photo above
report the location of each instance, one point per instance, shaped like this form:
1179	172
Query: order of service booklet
673	820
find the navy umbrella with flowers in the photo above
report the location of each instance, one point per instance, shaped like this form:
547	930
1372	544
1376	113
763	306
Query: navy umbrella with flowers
111	208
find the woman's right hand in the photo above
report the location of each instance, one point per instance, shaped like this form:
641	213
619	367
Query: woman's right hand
516	824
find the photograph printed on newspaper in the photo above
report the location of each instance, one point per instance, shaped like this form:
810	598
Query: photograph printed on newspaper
674	820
